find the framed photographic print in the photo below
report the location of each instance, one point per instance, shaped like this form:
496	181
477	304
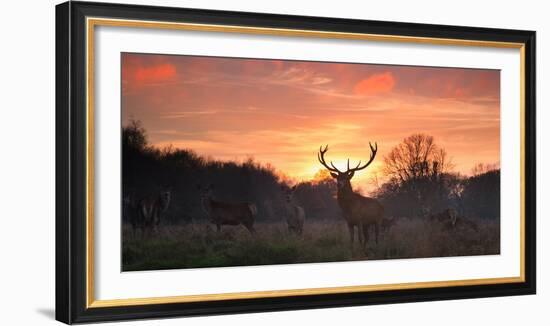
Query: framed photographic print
222	162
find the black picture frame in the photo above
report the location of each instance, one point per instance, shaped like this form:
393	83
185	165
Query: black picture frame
71	158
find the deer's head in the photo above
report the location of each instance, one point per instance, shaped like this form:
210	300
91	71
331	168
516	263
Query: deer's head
165	196
343	177
288	192
205	192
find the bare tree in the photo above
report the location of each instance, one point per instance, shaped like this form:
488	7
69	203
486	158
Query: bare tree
134	135
416	157
419	170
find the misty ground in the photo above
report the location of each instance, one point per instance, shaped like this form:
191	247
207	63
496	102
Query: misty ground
198	245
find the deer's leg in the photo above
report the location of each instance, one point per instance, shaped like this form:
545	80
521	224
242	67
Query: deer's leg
250	228
154	224
376	231
351	233
366	233
148	229
361	235
157	221
218	228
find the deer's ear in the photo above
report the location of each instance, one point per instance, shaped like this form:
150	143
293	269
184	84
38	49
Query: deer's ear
334	175
350	175
294	188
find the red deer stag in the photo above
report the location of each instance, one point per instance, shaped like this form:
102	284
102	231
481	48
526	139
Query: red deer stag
295	215
222	213
357	210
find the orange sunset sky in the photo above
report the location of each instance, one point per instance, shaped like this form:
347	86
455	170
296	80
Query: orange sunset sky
280	111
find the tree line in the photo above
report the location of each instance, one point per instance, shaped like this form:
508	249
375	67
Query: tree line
420	181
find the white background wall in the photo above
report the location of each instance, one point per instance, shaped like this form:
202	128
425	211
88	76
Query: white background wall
27	162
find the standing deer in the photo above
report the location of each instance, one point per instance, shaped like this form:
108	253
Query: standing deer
222	213
145	214
295	215
357	210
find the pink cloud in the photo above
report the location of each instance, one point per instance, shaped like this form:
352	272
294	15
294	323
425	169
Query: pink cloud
157	73
136	74
375	84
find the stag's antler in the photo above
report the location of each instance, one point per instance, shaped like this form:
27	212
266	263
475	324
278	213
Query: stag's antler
373	150
321	158
332	168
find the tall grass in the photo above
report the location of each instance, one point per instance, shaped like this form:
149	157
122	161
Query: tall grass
198	245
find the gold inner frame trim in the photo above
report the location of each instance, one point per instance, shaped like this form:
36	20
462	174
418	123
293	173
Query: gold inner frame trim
92	22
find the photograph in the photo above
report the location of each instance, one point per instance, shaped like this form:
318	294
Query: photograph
230	161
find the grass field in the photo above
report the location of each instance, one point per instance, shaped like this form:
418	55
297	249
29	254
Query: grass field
198	245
